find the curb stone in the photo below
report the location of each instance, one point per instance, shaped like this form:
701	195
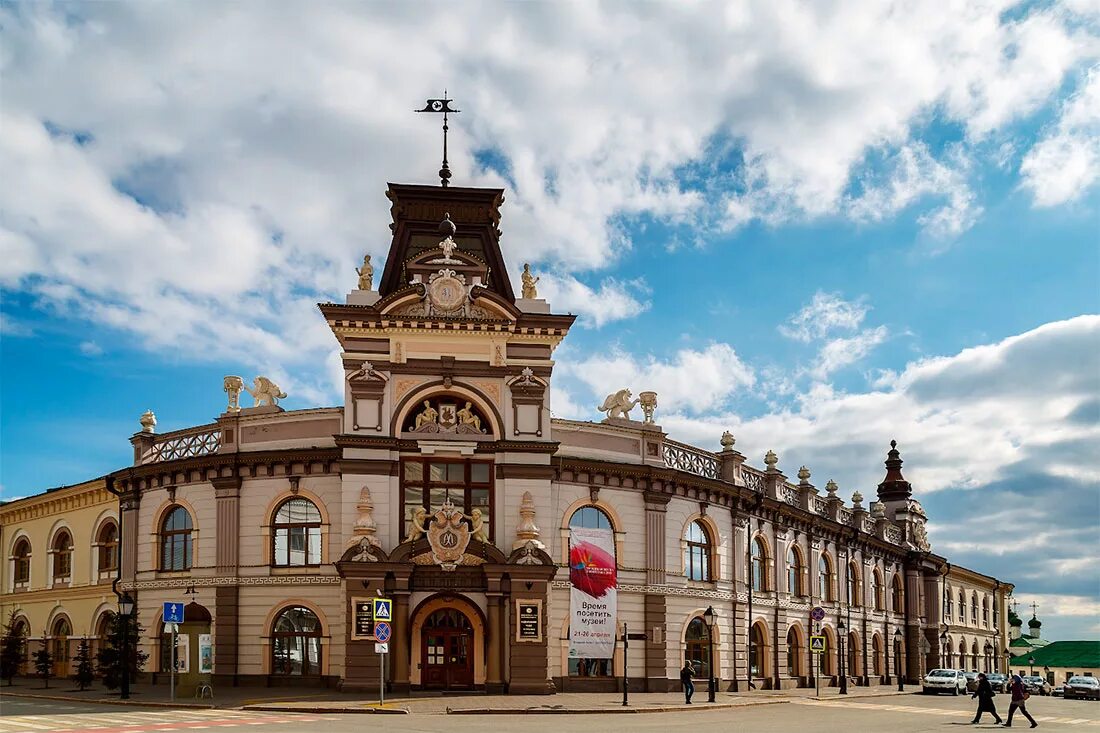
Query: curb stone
104	701
611	711
327	710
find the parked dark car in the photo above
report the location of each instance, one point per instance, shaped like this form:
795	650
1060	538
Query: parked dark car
1082	687
998	681
1037	685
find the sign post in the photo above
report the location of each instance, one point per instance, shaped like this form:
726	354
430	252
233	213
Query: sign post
173	617
383	615
817	614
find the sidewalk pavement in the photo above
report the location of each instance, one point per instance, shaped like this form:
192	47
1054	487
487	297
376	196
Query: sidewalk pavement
287	700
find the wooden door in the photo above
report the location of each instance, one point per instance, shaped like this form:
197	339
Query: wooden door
447	651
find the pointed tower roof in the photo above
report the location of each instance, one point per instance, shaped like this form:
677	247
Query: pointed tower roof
894	487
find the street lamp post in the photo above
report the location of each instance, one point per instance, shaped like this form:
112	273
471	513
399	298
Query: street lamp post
988	657
841	631
1031	661
1046	673
897	659
1008	656
925	647
125	609
943	651
708	619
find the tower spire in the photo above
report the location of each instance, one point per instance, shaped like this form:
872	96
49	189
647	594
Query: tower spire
443	106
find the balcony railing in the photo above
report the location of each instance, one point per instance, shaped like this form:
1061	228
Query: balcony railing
754	480
201	441
684	457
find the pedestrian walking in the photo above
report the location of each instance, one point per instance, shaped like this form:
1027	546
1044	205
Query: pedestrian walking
1019	698
685	678
984	693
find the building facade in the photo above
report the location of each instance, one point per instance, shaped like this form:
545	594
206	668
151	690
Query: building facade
62	556
443	483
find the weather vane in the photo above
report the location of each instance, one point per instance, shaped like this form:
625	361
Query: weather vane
444	106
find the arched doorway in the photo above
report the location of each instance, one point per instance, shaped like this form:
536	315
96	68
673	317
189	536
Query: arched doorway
447	650
697	647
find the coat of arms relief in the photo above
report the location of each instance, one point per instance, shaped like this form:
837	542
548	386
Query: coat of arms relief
448	533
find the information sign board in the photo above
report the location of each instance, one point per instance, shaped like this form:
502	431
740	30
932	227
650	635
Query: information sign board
528	620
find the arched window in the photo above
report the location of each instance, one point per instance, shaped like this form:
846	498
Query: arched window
296	536
296	643
758	651
697	552
974	609
62	556
974	655
590	517
897	594
175	540
794	653
108	547
827	662
697	647
21	563
878	591
21	630
824	578
949	609
876	648
759	565
794	572
962	606
852	577
985	612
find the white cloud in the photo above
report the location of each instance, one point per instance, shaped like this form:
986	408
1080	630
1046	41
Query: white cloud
822	316
90	348
1066	161
614	300
825	318
962	421
195	198
691	380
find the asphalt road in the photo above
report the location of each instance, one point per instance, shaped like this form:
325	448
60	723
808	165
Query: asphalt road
909	714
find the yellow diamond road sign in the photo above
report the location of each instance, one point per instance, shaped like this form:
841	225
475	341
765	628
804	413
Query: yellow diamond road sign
817	643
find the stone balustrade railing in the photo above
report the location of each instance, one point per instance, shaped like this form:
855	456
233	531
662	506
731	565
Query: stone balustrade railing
201	441
683	457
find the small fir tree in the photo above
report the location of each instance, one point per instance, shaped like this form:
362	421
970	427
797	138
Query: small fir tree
109	659
12	649
85	673
43	663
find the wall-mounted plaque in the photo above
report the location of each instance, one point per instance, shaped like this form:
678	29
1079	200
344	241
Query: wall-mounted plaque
528	620
362	612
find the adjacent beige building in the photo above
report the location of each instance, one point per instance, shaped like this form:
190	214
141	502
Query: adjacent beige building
62	555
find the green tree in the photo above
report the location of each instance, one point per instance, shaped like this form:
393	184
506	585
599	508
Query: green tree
43	663
85	673
13	647
109	659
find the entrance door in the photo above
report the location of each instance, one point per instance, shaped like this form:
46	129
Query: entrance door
447	656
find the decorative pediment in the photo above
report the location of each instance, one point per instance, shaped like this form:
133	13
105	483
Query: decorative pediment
365	550
529	553
447	414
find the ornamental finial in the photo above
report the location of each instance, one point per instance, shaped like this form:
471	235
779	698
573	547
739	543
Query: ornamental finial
803	474
770	459
727	441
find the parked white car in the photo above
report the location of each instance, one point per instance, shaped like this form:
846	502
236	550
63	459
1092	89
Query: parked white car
945	680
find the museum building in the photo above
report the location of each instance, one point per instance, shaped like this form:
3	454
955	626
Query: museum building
444	484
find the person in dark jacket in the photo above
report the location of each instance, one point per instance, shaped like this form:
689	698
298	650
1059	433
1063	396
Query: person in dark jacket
1019	696
685	678
984	693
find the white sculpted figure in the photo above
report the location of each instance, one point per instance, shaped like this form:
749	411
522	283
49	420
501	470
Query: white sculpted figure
477	525
618	404
529	280
265	392
417	516
366	274
233	386
466	416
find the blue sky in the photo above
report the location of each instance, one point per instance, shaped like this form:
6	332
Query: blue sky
820	227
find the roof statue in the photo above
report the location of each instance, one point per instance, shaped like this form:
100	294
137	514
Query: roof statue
529	290
366	274
232	385
148	422
265	392
618	404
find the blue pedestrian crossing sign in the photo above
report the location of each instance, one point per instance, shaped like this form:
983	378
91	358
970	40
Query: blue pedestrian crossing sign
817	644
383	609
173	612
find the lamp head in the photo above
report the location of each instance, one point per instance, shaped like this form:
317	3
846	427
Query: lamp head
708	616
125	605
